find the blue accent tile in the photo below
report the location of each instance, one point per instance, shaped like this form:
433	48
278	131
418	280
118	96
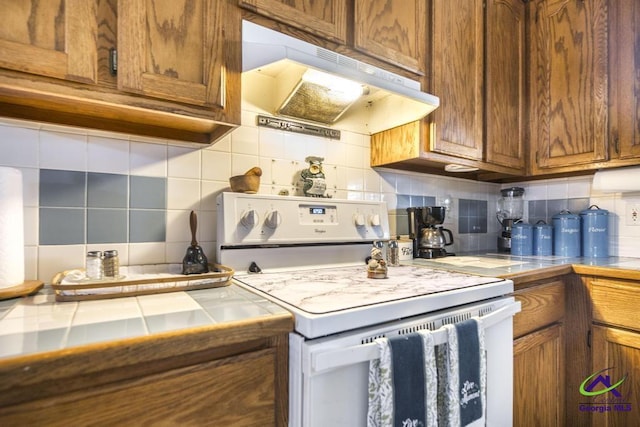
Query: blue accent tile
106	226
61	226
429	201
107	190
403	201
472	216
147	226
578	205
59	188
148	193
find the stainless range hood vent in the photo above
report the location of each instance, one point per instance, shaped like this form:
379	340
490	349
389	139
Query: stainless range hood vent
283	76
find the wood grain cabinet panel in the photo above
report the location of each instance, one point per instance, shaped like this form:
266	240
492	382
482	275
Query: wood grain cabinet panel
393	31
541	306
327	19
568	84
173	50
539	369
458	77
55	38
624	90
505	84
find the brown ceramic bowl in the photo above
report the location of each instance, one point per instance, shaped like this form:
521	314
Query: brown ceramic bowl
245	183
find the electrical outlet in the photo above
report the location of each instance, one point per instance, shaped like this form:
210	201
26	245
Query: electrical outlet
633	214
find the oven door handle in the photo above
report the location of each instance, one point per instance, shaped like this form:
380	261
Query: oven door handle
331	359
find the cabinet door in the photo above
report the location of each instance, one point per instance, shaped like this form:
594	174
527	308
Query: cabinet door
54	38
568	89
458	73
538	378
393	31
616	353
624	67
326	19
505	96
185	51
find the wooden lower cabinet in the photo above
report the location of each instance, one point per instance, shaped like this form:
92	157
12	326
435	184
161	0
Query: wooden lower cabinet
538	380
226	392
539	355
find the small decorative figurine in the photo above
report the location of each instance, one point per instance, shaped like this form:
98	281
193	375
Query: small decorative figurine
377	266
313	180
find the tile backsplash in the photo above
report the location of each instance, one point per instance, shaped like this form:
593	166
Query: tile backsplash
90	190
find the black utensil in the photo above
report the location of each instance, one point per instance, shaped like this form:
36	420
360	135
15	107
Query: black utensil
195	261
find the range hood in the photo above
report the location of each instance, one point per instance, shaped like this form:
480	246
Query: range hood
280	79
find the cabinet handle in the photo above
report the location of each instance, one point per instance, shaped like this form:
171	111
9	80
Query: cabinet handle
589	338
616	144
113	61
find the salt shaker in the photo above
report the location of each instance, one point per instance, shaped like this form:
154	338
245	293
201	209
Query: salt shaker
94	270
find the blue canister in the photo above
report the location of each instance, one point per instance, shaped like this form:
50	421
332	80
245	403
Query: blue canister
542	238
566	234
595	232
521	239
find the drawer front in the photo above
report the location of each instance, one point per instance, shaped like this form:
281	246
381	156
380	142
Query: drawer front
541	306
615	302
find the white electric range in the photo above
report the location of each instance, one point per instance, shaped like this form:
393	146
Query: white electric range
308	254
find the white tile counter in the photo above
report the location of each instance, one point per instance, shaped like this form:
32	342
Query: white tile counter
39	324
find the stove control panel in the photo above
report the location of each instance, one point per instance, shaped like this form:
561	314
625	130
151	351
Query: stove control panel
249	219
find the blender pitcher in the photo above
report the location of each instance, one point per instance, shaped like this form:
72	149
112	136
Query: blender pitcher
510	209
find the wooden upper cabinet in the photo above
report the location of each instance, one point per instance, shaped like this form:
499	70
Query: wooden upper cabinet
327	19
568	93
174	50
505	83
457	77
53	38
624	89
392	31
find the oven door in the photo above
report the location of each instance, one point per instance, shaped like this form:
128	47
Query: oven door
329	376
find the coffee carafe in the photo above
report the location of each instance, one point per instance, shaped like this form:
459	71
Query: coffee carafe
429	238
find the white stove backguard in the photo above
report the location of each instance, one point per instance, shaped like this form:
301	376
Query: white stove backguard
285	231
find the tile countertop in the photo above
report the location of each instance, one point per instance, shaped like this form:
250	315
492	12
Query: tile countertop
508	266
39	324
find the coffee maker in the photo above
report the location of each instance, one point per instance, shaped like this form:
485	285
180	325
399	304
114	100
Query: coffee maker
510	209
429	238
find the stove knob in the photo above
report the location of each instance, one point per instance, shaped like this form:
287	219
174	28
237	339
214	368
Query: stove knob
273	219
249	219
374	220
359	220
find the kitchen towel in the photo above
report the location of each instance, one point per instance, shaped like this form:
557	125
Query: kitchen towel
11	228
462	369
402	383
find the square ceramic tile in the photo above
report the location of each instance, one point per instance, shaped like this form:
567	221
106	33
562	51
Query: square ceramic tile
147	225
244	140
147	192
62	188
271	143
108	155
180	320
100	311
216	165
107	190
241	163
40	322
184	162
148	159
106	226
41	304
32	342
31	226
57	258
61	226
18	146
147	253
170	302
105	331
183	193
67	151
232	312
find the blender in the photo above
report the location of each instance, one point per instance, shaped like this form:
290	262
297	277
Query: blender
510	210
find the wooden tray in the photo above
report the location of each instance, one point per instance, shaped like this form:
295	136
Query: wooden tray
141	284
